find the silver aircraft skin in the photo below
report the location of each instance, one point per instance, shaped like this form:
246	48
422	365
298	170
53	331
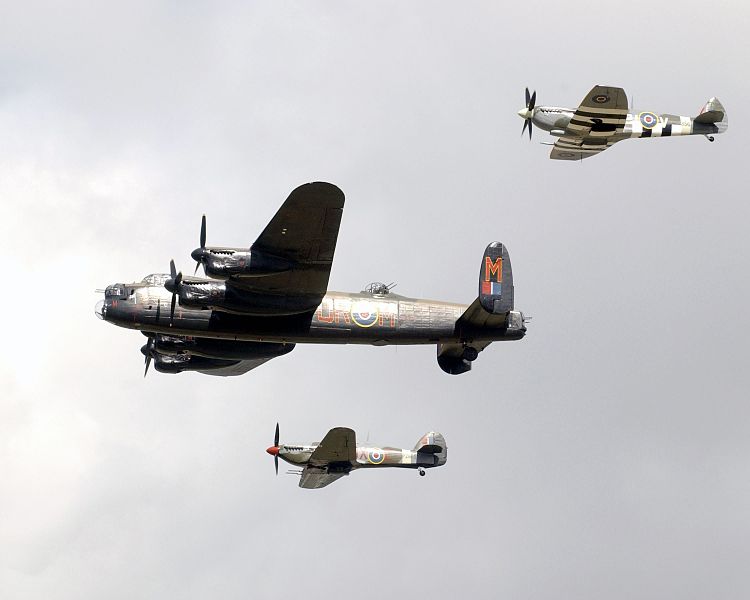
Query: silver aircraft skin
603	119
338	454
258	303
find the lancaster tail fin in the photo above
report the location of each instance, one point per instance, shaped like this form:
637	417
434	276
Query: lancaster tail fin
496	280
490	317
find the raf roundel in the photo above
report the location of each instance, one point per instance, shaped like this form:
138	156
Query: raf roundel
364	313
376	456
649	120
601	98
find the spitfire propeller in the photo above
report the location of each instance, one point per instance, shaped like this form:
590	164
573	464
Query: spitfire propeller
274	450
527	113
173	285
199	254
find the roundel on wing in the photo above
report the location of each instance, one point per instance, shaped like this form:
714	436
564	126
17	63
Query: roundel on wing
649	120
364	313
376	456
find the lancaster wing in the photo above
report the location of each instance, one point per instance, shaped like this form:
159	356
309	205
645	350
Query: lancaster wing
598	123
301	235
238	368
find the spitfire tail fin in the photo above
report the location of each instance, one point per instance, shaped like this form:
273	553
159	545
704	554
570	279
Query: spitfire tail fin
432	449
496	280
713	113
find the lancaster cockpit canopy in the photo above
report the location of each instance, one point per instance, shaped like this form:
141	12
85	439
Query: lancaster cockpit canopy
155	279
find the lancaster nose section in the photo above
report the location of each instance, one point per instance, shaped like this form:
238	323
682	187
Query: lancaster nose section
100	310
273	450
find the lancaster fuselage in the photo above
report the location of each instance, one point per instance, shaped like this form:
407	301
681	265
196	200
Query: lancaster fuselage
353	318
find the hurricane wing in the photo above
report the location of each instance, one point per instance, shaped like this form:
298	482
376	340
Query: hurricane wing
313	478
338	446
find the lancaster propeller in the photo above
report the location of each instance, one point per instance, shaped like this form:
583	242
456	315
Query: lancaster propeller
199	254
173	285
148	352
274	450
527	113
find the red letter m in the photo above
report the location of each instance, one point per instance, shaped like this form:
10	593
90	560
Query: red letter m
495	268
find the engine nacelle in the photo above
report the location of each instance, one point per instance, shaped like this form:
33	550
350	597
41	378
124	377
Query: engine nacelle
225	263
226	297
221	349
177	363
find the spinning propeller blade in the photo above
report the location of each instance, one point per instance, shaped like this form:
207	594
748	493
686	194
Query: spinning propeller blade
276	445
148	350
173	285
203	244
529	112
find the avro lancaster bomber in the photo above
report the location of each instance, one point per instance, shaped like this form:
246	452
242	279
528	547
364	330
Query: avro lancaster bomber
256	304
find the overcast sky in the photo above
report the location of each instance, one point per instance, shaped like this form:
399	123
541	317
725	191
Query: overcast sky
606	455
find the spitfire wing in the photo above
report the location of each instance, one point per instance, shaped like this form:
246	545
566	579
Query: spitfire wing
302	233
313	478
338	446
598	123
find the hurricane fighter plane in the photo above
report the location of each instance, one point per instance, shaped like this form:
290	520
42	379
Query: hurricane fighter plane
257	303
338	455
602	119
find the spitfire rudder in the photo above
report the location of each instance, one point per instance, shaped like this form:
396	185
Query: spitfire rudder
713	113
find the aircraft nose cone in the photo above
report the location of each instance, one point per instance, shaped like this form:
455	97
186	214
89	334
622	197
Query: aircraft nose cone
197	254
169	284
524	113
100	310
273	450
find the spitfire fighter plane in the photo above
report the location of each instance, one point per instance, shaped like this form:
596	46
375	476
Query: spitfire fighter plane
257	303
602	119
338	455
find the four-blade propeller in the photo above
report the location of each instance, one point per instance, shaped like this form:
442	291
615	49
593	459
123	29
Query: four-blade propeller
527	113
173	285
199	253
148	351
